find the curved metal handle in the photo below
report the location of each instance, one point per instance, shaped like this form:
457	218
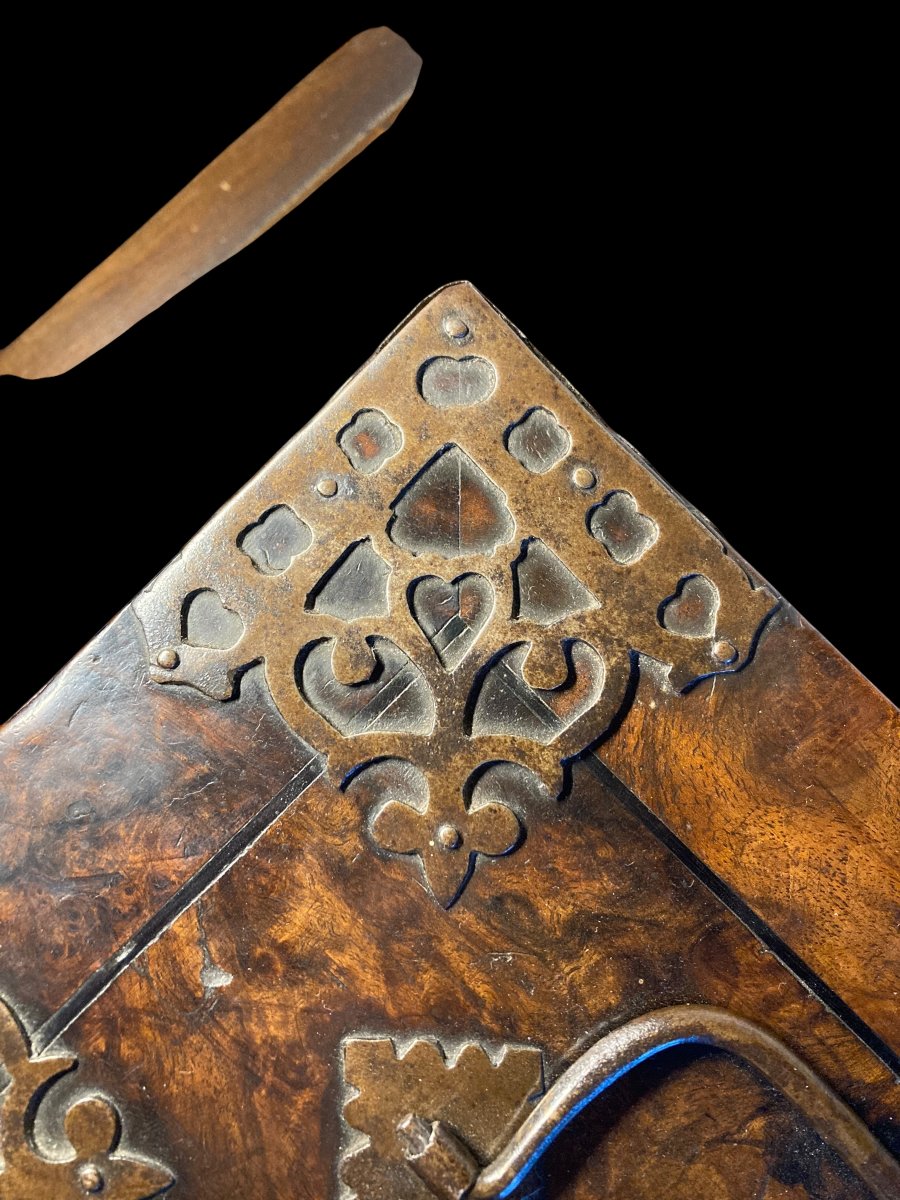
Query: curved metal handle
449	1170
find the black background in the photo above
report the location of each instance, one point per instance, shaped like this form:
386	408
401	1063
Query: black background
686	220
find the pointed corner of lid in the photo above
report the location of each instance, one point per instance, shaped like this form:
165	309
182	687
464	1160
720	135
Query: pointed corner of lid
459	293
463	286
462	290
454	510
455	310
462	300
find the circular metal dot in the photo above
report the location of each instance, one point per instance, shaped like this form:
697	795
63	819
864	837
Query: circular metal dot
327	487
449	837
584	477
168	659
90	1179
455	327
724	652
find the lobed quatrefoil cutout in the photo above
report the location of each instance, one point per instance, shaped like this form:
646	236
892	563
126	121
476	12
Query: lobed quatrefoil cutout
538	441
625	533
274	541
457	382
370	440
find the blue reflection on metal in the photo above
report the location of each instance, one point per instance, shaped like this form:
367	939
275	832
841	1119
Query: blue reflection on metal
570	1116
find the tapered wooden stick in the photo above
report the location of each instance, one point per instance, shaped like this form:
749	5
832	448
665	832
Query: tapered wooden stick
322	123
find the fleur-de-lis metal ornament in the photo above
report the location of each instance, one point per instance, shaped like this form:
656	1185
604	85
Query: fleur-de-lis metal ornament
421	623
90	1161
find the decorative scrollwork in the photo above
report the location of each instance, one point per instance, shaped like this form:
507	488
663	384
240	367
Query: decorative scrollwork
93	1162
446	829
530	651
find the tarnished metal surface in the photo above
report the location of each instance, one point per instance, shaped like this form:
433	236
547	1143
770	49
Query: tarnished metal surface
81	1160
438	1158
481	1091
455	565
616	1053
450	587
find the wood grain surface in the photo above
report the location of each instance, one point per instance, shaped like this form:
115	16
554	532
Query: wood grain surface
243	1082
155	782
785	783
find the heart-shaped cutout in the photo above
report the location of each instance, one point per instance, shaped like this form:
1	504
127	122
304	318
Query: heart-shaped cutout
452	615
457	382
692	611
207	622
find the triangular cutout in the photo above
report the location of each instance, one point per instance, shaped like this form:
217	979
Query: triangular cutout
355	586
546	591
452	509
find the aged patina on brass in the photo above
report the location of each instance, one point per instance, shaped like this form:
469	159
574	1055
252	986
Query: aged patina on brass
451	1171
336	851
419	597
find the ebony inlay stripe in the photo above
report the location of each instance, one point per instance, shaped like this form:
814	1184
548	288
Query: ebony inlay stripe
212	870
794	963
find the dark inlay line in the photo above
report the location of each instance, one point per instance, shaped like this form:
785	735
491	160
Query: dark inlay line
757	926
212	870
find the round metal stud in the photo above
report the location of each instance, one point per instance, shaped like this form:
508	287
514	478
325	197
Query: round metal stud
449	837
455	327
90	1179
724	652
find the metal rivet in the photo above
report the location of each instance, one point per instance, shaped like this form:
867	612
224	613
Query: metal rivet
327	487
90	1178
584	477
724	652
168	659
455	327
449	837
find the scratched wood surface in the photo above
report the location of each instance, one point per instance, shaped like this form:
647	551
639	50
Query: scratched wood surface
786	783
208	915
240	1080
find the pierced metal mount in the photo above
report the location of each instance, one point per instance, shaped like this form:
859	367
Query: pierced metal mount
93	1128
455	548
451	1172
